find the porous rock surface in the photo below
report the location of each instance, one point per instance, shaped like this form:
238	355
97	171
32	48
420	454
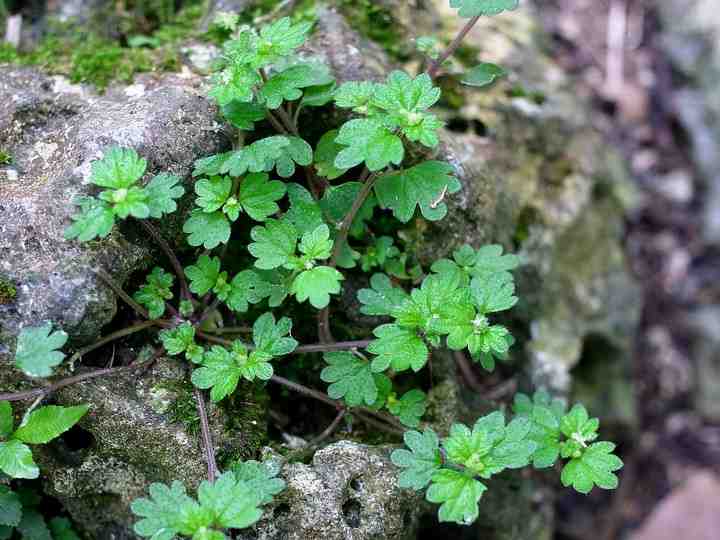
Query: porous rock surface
349	491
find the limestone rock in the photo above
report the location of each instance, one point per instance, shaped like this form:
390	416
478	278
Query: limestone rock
53	131
349	491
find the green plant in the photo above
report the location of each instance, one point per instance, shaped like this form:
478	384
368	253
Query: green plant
305	198
19	510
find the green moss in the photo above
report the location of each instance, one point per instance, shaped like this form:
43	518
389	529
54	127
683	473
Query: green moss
5	157
8	292
87	57
183	409
377	23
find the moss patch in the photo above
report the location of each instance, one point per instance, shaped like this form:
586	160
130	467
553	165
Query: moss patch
8	292
85	56
5	157
376	23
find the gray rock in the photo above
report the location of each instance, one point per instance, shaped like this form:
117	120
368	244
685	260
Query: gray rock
692	41
53	131
542	183
706	354
349	491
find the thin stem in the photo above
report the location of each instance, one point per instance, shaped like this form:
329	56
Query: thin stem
447	53
275	122
170	254
314	348
336	346
379	425
305	390
287	121
208	311
330	429
323	322
231	330
112	337
206	436
30	394
467	372
110	282
350	217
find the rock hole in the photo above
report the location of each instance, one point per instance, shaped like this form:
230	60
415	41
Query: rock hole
351	513
77	439
281	510
458	124
356	484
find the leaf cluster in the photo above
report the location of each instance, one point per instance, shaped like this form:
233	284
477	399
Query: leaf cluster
39	427
119	172
233	501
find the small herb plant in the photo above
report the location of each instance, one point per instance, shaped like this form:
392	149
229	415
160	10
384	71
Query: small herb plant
310	204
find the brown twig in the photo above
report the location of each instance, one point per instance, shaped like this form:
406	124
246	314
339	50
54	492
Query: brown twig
112	337
170	254
206	436
467	371
110	282
30	394
447	53
329	430
350	217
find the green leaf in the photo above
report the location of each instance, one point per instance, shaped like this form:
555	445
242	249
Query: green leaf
212	193
258	195
382	298
234	83
96	219
490	260
304	213
355	95
260	156
578	426
168	512
243	115
230	503
350	377
490	447
458	495
494	293
260	477
6	419
325	155
47	423
156	290
368	141
297	151
32	526
221	370
405	101
483	75
424	185
211	165
128	202
317	96
337	202
10	507
247	287
316	244
401	348
119	168
317	284
287	85
161	193
280	39
545	415
62	529
473	8
204	274
421	462
274	244
36	353
181	339
595	467
16	460
207	230
271	338
409	408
